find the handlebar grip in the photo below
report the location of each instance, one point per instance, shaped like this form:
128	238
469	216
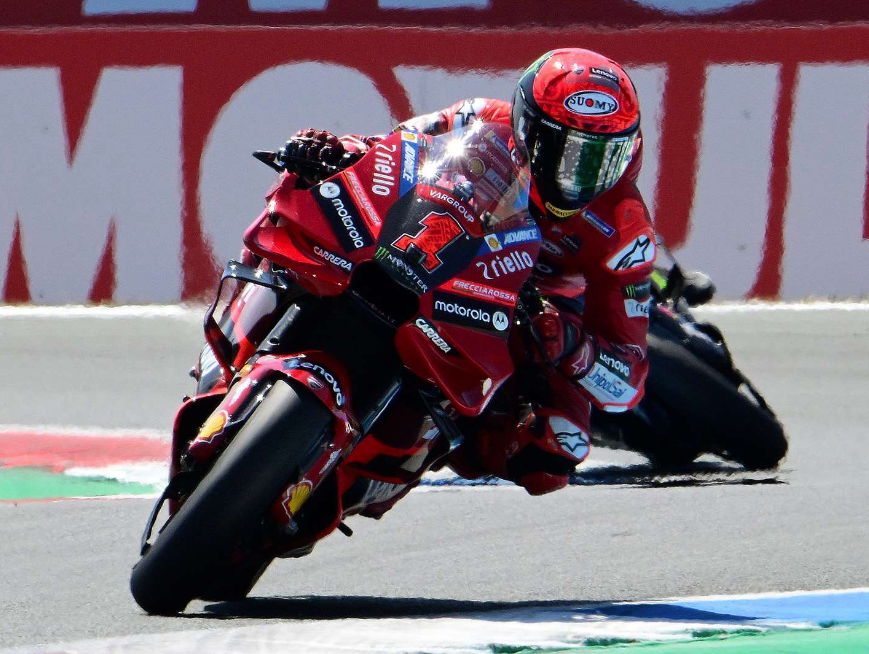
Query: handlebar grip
270	159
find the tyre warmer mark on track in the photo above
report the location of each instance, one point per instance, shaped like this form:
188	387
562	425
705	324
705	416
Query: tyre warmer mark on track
798	623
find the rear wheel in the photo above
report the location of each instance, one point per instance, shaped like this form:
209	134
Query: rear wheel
653	431
709	411
195	549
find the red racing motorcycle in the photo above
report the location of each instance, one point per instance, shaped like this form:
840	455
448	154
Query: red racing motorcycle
381	299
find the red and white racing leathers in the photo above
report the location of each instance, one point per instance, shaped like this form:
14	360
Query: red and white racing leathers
610	248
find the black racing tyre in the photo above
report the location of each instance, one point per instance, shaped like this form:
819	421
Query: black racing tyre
720	418
658	435
194	549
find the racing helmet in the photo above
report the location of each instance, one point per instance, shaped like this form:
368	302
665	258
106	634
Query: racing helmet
576	119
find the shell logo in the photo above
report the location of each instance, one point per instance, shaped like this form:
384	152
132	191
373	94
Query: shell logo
297	496
493	243
213	427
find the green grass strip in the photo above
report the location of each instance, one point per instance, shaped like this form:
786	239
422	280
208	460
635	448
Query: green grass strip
838	640
37	484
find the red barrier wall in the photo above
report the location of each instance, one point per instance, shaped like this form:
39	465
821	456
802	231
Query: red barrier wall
711	179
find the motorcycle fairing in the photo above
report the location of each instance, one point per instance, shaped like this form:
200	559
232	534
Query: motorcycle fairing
424	233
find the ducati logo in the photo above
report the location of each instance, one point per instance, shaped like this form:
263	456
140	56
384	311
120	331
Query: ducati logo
438	231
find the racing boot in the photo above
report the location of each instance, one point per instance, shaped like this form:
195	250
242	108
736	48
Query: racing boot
538	454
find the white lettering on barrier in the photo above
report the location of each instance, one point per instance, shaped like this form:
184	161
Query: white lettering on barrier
731	193
692	7
287	5
824	210
126	168
109	7
231	183
825	253
434	4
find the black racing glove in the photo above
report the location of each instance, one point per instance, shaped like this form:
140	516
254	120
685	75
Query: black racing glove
315	155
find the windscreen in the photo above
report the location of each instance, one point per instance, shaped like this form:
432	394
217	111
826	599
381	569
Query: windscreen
477	164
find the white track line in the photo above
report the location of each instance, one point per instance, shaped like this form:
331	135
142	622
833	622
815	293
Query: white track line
751	596
181	311
547	627
196	312
758	307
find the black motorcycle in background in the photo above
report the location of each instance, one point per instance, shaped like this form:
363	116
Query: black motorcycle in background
696	400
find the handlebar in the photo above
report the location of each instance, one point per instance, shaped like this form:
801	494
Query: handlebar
270	159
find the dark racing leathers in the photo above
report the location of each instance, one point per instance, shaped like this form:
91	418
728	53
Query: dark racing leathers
582	356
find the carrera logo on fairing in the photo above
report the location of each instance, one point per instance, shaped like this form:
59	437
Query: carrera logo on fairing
331	257
591	103
426	328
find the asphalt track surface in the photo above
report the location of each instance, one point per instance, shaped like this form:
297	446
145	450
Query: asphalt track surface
624	535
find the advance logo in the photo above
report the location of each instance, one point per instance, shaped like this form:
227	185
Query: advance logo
466	312
343	216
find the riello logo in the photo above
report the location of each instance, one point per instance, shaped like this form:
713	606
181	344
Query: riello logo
591	103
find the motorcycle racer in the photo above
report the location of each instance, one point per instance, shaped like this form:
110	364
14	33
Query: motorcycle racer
575	121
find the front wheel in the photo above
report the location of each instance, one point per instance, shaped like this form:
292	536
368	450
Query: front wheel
195	549
713	412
